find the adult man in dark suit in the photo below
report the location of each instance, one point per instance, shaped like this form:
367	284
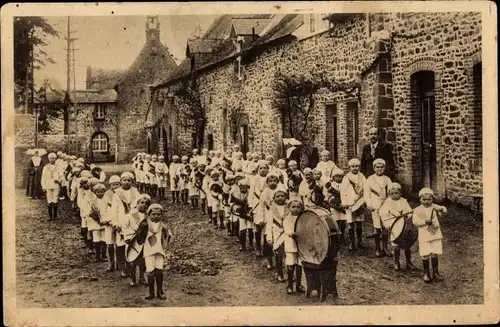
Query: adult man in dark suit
376	149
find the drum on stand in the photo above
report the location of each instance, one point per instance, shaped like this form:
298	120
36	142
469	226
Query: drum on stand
318	244
403	233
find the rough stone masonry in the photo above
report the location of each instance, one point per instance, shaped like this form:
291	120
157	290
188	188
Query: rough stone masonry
386	54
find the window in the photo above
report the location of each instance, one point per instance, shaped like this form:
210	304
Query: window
100	143
100	111
238	69
312	23
352	108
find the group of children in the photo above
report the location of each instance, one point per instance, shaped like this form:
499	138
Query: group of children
112	215
258	201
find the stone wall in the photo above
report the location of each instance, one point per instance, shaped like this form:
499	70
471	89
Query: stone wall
447	48
132	106
24	130
87	126
381	57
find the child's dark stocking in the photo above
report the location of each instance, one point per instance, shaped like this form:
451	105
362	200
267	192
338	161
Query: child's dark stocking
409	264
132	273
290	271
120	260
54	210
298	279
49	209
111	253
435	272
159	284
104	257
397	253
83	236
376	235
427	275
341	224
258	241
203	204
97	247
142	270
243	240
222	214
209	213
151	286
359	234
250	239
279	264
385	242
352	241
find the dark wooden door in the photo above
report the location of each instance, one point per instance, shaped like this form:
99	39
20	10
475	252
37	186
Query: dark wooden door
428	124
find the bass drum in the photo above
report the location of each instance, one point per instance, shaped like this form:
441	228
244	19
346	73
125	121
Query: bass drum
403	233
317	236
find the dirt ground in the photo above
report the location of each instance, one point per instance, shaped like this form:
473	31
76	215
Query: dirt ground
205	268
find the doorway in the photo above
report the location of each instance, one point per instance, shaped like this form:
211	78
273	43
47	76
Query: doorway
244	138
424	120
165	142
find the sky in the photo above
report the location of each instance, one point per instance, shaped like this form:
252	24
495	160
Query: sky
111	42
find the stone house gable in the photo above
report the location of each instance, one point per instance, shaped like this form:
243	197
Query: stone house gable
93	125
153	65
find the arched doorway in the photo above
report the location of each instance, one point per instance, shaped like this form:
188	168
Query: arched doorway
100	147
423	105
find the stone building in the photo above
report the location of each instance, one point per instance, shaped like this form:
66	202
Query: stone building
415	75
153	64
93	123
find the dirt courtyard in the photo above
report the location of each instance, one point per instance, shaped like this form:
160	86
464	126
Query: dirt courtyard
205	268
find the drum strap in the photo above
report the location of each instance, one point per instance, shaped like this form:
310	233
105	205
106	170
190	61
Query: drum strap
354	186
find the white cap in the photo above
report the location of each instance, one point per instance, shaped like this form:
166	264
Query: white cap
114	179
126	175
425	191
394	186
354	161
154	206
378	161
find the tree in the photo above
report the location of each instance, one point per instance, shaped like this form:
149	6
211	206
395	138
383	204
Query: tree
192	114
294	99
29	35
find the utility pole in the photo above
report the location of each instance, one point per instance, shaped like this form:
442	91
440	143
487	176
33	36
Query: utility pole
69	44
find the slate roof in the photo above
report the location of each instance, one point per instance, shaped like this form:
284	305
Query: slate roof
147	67
221	27
201	45
340	17
212	49
281	27
93	96
243	26
50	96
99	78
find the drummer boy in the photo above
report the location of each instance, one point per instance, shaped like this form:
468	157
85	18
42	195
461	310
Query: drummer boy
426	218
395	206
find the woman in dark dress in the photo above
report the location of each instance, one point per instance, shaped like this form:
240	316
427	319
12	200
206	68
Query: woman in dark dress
34	187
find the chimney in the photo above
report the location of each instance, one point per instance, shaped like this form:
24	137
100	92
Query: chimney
88	81
152	27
